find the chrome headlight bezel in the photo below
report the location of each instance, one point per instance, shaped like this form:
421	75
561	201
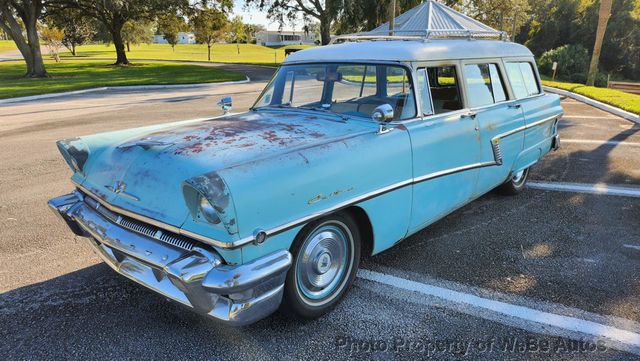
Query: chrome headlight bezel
75	152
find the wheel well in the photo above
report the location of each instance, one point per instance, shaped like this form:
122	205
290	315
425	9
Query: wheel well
365	228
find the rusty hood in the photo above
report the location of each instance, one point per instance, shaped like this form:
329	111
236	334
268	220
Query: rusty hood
143	170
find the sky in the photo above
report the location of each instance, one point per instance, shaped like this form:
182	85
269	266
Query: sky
254	16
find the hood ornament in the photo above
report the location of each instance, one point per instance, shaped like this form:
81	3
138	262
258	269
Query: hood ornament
119	187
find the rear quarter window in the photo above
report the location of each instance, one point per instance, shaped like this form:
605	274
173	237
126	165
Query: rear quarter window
523	79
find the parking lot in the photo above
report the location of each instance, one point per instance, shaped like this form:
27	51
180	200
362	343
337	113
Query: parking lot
551	273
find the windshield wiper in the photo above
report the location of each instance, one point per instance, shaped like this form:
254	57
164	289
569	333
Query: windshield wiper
326	111
315	109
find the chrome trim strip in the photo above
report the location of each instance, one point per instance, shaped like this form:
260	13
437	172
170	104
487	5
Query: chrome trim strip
159	224
287	226
295	223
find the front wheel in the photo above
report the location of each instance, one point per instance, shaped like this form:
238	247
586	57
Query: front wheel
326	258
515	184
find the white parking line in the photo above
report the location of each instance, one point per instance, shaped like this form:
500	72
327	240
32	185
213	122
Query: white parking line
520	313
599	142
588	117
637	248
586	188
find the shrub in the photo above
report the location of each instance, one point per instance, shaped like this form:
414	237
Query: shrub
578	78
571	59
627	101
601	80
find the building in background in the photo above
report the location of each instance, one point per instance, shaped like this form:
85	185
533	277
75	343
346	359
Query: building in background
183	38
281	38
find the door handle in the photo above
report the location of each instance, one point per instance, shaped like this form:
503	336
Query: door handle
515	106
469	114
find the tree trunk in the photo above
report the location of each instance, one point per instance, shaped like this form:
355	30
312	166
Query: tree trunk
73	49
238	47
603	19
37	64
325	30
209	52
128	47
118	42
29	47
392	17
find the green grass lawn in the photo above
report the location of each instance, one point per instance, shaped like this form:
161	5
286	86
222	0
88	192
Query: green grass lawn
220	53
6	45
622	100
75	75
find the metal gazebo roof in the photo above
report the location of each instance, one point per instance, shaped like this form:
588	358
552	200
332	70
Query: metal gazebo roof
429	20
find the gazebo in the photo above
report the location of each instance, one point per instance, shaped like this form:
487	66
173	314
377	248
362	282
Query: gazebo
429	20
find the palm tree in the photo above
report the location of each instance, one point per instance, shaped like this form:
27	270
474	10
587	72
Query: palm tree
603	19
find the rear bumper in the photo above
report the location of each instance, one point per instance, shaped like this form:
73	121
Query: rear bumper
197	278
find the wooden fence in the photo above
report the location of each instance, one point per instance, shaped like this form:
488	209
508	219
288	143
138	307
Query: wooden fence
625	86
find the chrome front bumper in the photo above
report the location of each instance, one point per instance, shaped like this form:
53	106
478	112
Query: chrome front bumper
197	278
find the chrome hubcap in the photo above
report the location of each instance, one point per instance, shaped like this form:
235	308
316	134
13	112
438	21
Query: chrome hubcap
323	261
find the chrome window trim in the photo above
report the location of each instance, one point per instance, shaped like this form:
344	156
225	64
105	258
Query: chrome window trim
319	214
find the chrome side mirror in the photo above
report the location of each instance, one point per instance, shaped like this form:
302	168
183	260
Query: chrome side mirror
226	104
383	114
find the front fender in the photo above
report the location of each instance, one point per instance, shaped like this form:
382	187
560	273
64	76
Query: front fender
280	194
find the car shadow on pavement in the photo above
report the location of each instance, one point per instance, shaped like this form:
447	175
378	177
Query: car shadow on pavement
94	311
558	247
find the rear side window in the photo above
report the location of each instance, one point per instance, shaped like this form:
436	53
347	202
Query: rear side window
445	91
523	79
484	84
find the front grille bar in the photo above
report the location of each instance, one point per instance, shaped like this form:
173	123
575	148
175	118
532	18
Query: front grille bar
140	227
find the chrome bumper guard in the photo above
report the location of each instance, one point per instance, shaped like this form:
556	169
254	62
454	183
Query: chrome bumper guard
237	295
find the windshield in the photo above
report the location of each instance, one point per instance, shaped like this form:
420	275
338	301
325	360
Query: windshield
347	89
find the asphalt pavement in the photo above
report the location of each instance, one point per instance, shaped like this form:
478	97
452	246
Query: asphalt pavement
548	274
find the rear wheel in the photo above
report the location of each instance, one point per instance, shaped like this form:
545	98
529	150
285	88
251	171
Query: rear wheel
515	184
326	258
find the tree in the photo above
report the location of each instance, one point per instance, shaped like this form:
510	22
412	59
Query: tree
52	38
170	25
365	15
114	14
288	10
208	26
12	13
77	27
603	18
236	32
137	32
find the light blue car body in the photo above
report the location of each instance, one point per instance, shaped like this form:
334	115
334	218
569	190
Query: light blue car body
275	170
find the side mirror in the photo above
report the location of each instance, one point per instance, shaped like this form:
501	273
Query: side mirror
382	113
226	104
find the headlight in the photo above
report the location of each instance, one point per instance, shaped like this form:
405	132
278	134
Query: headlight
208	212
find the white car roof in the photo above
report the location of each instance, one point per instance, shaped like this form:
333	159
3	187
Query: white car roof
411	50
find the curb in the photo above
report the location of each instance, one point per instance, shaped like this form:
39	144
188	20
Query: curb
594	103
124	87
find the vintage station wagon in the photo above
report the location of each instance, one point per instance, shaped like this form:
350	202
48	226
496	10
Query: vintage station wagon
349	149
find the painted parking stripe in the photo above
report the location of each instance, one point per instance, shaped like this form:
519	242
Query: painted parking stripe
588	117
599	142
637	248
521	313
586	188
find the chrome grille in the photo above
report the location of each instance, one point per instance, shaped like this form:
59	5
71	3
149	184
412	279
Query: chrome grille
140	227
